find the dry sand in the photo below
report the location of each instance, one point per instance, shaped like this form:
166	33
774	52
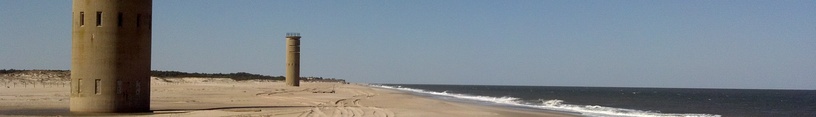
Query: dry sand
199	97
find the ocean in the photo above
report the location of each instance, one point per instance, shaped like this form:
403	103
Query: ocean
630	102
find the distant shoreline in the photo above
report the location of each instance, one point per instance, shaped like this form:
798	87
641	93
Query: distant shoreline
600	87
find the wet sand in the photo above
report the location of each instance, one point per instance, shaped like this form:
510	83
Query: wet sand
197	97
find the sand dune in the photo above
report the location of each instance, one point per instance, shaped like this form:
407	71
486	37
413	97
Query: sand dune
199	97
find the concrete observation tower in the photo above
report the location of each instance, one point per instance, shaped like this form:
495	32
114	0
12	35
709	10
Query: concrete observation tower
293	59
110	56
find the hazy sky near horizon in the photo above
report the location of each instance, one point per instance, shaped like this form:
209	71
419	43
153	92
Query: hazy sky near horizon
757	44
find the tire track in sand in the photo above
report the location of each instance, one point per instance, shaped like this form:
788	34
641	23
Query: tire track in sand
350	107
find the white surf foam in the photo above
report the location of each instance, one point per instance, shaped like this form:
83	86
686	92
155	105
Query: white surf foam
558	105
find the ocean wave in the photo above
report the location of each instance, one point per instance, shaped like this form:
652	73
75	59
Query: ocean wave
557	105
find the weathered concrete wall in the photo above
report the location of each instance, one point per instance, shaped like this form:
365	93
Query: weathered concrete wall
110	55
293	59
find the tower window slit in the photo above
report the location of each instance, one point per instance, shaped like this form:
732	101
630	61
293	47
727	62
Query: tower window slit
138	19
119	19
79	85
81	18
118	87
98	18
97	89
138	88
149	22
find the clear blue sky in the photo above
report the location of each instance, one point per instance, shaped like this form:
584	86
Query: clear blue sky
630	43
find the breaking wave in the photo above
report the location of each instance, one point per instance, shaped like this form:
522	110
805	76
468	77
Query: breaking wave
557	105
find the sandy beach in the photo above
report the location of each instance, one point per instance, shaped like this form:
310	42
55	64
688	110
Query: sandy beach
219	97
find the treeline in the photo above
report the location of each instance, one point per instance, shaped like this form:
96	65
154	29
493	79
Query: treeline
9	71
240	76
321	79
235	76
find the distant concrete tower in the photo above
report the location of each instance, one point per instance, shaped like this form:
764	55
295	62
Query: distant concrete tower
293	59
110	56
